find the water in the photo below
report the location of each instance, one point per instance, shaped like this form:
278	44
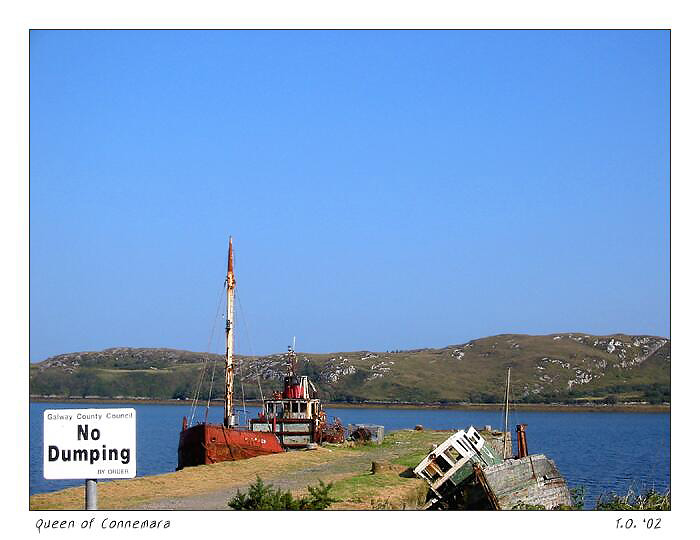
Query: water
600	451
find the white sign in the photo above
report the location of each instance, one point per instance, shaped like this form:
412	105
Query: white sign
89	443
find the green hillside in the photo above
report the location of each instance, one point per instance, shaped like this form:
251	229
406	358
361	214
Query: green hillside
554	368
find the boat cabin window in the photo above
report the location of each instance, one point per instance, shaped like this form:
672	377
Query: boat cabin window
273	409
432	472
295	407
453	454
442	463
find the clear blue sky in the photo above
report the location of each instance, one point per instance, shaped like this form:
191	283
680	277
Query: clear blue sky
384	189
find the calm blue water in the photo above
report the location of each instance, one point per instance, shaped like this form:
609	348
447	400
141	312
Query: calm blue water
601	451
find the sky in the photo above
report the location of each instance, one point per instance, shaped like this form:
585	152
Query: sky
384	190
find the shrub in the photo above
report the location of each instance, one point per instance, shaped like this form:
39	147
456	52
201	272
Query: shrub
650	500
578	494
319	497
265	497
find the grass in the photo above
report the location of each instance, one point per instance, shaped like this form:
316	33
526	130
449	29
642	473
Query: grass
354	489
412	459
384	490
394	487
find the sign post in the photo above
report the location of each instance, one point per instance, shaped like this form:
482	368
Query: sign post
90	494
89	444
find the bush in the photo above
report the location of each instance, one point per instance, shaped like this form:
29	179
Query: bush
578	494
265	497
651	500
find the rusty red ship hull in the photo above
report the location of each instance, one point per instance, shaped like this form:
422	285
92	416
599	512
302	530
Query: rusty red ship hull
203	444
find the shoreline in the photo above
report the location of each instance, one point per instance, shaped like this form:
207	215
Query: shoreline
540	407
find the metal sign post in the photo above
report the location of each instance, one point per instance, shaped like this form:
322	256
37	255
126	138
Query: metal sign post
89	444
90	494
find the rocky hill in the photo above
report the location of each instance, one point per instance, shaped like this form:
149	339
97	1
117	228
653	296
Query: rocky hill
554	368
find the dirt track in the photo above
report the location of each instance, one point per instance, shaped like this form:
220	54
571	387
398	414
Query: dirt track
296	480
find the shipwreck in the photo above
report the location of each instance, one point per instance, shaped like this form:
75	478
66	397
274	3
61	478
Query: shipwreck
476	470
466	472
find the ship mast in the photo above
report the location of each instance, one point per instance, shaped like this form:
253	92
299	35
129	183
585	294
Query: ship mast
229	417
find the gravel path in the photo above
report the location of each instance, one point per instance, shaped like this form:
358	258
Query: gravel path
294	481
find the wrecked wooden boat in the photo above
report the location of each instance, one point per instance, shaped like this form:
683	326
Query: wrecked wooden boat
466	472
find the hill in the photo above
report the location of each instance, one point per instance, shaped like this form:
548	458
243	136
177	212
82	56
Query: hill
553	368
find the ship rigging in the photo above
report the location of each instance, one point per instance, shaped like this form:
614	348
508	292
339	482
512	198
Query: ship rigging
292	419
